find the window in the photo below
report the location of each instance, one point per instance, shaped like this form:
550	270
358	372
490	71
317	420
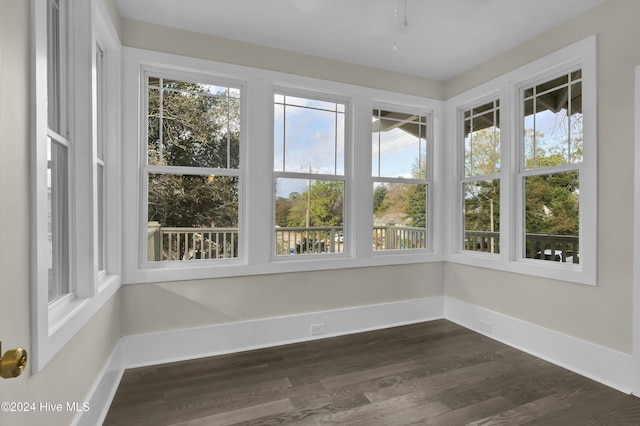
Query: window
58	147
198	144
309	171
481	177
526	169
552	147
400	180
74	139
192	170
100	158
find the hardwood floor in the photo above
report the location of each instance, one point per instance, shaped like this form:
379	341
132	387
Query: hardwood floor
433	373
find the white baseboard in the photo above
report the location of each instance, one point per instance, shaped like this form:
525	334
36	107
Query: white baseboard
596	362
176	345
103	391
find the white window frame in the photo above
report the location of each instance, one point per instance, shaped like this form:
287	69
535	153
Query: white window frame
428	180
55	323
462	179
258	190
146	169
580	55
345	177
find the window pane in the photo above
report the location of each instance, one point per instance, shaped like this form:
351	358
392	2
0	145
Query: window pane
309	135
192	217
100	102
58	219
482	140
399	145
309	216
552	216
56	67
552	135
399	216
101	219
482	216
191	124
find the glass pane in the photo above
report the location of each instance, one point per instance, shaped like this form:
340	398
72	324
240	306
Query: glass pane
399	145
550	85
310	103
399	216
56	69
194	125
101	222
575	125
192	217
482	216
58	219
552	137
309	136
278	137
482	145
552	212
309	216
100	102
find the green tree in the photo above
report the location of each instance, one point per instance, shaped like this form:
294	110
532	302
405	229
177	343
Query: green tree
379	195
190	128
416	194
324	203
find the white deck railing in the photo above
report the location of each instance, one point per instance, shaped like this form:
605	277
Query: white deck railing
172	243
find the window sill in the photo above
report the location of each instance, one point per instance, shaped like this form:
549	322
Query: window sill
66	318
278	265
537	268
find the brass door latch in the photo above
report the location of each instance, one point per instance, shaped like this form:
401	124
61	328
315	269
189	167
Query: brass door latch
13	362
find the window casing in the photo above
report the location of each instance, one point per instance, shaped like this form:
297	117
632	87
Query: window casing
401	169
71	178
192	170
551	152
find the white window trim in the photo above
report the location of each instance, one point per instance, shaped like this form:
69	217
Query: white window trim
583	55
346	178
258	168
145	169
54	324
458	202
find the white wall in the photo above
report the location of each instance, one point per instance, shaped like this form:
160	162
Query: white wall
167	306
601	314
70	376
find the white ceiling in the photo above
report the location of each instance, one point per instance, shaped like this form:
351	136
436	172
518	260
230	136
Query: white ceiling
443	37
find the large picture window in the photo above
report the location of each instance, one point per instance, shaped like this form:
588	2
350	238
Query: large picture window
400	180
309	171
192	170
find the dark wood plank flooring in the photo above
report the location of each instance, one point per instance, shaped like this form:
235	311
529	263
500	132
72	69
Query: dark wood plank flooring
432	373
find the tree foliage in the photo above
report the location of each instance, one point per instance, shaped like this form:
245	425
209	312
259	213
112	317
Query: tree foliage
551	200
190	127
323	200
